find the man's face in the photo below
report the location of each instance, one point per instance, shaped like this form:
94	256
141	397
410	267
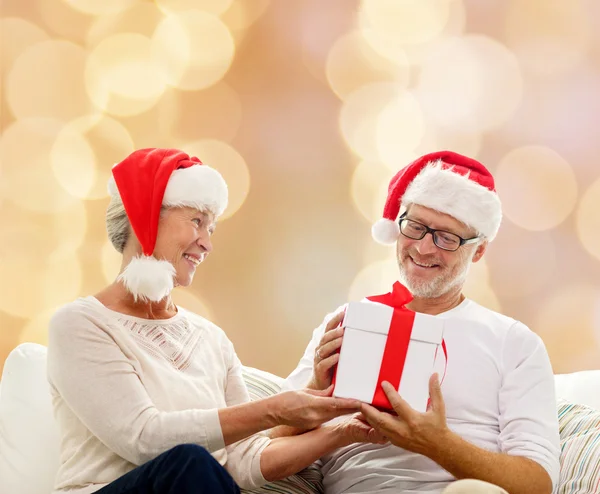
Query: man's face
425	269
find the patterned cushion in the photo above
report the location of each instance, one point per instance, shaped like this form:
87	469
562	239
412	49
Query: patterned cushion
580	449
261	384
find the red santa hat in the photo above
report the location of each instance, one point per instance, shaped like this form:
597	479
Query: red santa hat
446	182
147	180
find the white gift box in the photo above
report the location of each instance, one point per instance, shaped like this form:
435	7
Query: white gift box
367	325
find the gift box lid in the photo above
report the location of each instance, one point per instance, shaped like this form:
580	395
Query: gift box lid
368	316
428	328
376	318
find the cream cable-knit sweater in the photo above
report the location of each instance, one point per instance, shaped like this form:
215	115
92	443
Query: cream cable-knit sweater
126	389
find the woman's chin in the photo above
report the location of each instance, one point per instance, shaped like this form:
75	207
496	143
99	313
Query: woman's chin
184	281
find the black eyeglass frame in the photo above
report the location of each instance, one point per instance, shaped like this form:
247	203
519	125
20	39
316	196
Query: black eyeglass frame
433	231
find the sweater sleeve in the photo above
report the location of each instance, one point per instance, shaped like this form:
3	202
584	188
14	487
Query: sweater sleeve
301	375
100	385
528	417
243	457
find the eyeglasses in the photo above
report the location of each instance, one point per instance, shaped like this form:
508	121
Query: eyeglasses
443	239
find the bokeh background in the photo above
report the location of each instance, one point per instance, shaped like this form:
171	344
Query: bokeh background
307	107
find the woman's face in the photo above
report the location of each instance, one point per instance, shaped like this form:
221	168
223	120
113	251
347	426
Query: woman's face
183	239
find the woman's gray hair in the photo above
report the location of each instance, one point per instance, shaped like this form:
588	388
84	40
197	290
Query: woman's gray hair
117	224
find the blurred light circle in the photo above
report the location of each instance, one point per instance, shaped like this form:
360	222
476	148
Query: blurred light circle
46	81
374	251
455	139
477	286
368	189
565	321
352	63
16	36
319	25
455	26
400	129
389	25
140	18
472	83
548	36
537	187
184	297
547	57
242	14
95	7
373	279
111	261
69	230
571	307
523	255
588	219
62	20
122	77
404	155
543	115
36	235
194	49
84	153
229	163
214	113
28	181
154	127
36	329
215	7
73	162
44	283
360	113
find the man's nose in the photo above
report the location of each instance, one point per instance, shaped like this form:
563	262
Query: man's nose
426	245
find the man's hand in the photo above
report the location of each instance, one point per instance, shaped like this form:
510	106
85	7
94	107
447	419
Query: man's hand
327	353
428	434
421	433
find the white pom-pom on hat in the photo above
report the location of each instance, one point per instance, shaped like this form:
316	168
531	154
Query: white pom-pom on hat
148	278
385	231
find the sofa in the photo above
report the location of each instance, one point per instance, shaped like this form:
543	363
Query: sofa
29	438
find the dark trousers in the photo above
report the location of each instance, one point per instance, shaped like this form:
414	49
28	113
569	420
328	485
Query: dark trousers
185	469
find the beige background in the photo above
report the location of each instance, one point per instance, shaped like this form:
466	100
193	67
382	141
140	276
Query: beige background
307	107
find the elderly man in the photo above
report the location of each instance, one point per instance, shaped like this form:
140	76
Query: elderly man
493	420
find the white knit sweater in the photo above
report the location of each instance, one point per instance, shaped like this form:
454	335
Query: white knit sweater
499	395
126	389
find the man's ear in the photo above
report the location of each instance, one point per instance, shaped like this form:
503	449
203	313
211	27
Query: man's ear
481	248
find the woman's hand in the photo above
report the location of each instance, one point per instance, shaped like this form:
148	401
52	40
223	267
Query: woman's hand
307	409
327	353
356	429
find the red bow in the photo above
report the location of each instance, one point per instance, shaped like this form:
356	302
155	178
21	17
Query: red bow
397	298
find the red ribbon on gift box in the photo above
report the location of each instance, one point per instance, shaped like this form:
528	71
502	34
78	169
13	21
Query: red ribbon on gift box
398	339
396	345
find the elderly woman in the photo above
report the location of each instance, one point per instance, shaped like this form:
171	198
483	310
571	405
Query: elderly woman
148	396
